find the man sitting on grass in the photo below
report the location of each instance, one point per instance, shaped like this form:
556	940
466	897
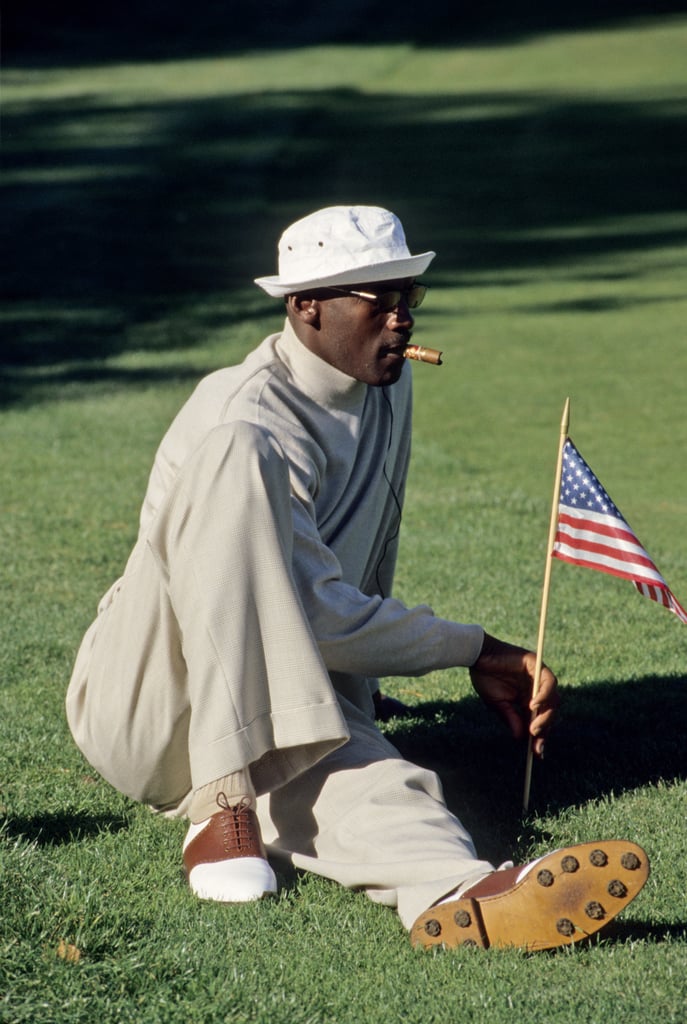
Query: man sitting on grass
231	673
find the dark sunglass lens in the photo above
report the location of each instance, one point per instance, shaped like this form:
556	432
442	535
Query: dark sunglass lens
386	301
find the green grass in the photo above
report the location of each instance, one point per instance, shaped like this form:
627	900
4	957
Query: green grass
547	168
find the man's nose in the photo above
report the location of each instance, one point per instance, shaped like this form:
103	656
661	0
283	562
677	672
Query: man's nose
401	314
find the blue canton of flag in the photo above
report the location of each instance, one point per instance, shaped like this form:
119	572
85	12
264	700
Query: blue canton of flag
592	532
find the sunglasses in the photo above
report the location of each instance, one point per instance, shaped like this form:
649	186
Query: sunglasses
386	301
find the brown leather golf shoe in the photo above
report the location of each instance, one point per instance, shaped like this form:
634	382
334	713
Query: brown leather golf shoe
224	856
556	900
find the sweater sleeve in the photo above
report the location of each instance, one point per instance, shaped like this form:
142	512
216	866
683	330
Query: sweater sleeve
370	635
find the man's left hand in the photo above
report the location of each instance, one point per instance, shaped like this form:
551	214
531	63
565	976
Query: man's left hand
503	676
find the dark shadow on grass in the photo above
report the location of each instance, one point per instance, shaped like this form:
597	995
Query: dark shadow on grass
611	738
141	227
60	828
63	385
621	930
39	33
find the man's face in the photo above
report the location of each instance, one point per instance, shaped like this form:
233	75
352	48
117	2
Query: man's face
358	338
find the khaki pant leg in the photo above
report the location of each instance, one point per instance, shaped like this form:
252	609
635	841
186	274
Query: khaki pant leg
370	820
203	663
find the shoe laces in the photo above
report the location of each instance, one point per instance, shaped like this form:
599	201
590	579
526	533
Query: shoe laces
237	822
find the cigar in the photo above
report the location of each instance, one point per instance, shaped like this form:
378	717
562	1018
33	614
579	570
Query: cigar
423	355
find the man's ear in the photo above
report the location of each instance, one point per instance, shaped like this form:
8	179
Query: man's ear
305	308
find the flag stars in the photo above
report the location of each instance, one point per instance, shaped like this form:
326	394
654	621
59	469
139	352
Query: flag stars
625	557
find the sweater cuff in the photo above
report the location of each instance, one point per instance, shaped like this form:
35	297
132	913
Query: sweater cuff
462	644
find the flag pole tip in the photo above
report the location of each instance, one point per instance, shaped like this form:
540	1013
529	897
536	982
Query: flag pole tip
565	419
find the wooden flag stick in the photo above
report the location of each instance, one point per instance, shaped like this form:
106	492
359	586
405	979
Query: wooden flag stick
553	525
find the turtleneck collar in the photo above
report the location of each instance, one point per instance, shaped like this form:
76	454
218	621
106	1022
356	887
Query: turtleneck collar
317	378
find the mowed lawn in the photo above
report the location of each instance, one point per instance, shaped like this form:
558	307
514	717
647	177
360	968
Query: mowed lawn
145	183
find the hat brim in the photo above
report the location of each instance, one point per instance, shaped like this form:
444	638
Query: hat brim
390	270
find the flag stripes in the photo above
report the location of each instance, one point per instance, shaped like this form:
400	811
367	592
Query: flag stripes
591	532
621	555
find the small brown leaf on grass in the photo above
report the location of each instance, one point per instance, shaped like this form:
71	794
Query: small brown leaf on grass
67	951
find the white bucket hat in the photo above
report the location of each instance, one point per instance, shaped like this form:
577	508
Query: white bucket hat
343	245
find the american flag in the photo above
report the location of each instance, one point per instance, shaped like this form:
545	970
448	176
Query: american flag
592	532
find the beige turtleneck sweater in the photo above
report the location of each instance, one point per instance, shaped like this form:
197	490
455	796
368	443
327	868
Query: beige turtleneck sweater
347	447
